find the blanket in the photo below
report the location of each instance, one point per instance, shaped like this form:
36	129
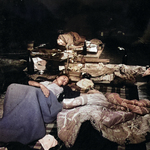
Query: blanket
141	107
70	39
52	127
116	122
26	111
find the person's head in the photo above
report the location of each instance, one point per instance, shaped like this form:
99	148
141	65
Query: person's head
62	80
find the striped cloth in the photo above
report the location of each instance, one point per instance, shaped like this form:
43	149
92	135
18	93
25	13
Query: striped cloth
106	88
143	90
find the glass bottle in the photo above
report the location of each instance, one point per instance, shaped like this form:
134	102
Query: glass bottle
30	63
125	58
84	48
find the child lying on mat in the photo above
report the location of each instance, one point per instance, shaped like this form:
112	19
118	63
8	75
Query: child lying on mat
27	109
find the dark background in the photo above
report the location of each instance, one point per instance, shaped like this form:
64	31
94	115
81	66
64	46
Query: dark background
124	23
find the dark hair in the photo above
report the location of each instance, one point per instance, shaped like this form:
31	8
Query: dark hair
64	74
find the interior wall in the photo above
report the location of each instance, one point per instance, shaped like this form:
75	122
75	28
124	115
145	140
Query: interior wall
41	20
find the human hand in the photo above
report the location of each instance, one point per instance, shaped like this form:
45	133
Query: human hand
45	90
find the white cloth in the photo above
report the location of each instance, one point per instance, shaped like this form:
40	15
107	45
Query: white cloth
48	141
85	84
57	90
39	63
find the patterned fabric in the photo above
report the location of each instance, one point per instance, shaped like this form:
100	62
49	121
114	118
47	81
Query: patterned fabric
93	107
114	125
52	127
140	107
131	132
96	70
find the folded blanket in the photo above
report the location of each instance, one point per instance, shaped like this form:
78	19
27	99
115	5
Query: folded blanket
26	110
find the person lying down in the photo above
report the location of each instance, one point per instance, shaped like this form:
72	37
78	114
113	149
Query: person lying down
27	108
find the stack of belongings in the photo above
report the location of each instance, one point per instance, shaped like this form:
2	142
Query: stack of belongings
73	41
110	72
74	76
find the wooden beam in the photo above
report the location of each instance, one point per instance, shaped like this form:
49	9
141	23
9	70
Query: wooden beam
93	60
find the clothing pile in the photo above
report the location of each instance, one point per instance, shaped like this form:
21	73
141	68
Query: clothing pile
108	72
120	120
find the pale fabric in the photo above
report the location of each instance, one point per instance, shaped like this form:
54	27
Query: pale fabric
118	119
85	84
146	73
93	107
121	70
48	141
57	90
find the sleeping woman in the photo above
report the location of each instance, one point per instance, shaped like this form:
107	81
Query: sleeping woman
27	108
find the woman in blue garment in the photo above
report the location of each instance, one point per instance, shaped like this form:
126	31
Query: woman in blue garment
28	108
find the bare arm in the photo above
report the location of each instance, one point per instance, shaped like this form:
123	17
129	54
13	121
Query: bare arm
44	89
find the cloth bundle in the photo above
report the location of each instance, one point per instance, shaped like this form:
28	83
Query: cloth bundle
118	119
